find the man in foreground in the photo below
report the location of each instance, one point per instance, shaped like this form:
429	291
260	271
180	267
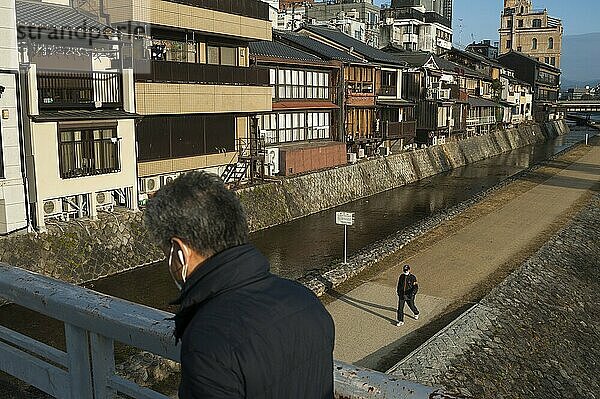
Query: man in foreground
245	333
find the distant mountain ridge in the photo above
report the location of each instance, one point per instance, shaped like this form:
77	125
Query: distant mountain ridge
580	60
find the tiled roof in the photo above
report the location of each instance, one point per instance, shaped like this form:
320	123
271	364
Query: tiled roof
477	56
414	58
276	49
481	102
46	15
316	47
366	51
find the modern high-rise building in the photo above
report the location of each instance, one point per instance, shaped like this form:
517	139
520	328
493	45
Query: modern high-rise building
447	10
530	31
418	25
341	12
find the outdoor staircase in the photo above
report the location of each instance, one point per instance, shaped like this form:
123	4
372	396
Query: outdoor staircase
250	159
235	172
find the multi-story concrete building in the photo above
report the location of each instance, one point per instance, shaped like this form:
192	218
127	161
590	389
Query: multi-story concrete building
13	210
530	31
78	104
194	85
416	25
363	11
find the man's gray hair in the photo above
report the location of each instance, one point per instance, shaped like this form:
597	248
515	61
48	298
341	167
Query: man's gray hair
198	209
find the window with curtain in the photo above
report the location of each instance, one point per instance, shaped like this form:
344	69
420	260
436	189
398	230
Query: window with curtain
88	151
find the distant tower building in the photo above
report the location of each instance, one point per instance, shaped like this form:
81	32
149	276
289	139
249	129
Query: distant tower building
447	10
532	32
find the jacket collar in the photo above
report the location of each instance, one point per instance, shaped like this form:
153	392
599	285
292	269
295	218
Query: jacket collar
233	268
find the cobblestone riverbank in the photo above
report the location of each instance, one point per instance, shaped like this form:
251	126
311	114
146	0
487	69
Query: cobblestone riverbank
533	336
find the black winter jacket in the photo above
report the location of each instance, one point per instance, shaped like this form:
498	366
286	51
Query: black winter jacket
247	333
407	286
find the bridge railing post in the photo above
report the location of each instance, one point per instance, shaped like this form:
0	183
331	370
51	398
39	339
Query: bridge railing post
103	365
79	367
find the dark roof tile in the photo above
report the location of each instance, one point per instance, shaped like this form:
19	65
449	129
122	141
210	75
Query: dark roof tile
46	15
366	51
316	47
276	49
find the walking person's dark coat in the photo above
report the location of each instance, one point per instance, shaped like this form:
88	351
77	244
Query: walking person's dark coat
249	334
407	290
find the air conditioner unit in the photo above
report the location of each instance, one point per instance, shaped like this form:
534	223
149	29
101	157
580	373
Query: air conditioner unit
271	161
166	179
52	208
149	184
105	200
352	157
361	153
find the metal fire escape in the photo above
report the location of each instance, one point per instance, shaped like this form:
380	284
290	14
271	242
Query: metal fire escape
250	158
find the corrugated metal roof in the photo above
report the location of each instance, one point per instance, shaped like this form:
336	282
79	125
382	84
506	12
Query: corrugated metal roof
82	115
316	47
366	51
276	49
38	14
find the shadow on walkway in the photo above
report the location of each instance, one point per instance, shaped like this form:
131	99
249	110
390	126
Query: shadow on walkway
364	306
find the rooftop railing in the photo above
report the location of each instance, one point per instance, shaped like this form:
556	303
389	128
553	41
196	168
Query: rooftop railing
93	322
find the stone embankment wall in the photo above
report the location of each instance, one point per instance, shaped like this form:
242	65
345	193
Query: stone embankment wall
272	204
85	250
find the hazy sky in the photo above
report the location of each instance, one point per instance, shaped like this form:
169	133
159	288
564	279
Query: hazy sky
481	18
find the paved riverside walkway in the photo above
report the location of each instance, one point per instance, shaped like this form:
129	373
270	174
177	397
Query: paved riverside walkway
457	264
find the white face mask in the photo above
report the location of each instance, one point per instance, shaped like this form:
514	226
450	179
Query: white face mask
407	272
184	268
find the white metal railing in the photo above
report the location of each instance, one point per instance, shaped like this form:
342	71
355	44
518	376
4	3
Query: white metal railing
93	322
481	120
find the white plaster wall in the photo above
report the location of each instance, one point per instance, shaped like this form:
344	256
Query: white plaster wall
12	192
49	183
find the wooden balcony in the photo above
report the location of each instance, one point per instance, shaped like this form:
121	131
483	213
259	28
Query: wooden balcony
399	130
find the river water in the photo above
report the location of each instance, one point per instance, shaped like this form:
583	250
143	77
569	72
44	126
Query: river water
315	241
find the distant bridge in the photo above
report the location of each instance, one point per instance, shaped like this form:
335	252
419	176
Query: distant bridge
581	105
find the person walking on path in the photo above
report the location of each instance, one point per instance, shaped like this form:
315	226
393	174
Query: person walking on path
407	290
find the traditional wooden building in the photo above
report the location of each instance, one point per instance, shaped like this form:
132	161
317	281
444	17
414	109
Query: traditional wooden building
395	117
303	132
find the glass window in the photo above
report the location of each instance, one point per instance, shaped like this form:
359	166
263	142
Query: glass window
88	152
212	55
229	56
534	43
551	43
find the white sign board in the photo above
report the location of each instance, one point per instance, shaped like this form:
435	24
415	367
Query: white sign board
345	218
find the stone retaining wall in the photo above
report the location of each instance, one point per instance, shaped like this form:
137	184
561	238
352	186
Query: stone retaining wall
85	250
